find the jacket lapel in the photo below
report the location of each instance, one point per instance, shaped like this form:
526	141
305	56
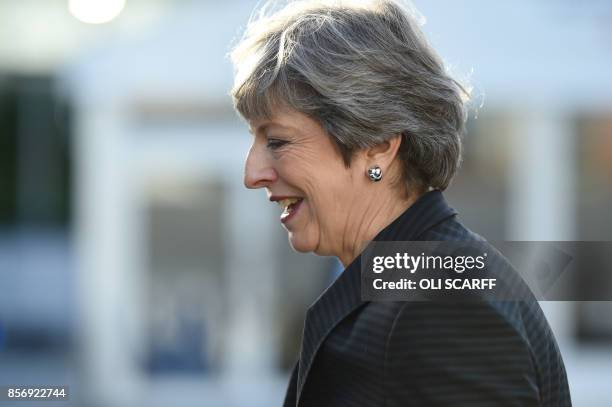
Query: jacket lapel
344	295
339	300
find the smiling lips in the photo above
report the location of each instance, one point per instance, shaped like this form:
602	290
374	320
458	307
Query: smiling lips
290	207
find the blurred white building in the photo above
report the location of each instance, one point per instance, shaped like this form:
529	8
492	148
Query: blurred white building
174	255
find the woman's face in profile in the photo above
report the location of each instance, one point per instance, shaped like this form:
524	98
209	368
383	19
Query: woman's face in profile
296	161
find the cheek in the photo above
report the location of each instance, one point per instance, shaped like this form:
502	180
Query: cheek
330	202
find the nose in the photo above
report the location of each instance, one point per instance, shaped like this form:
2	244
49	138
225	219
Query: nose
258	172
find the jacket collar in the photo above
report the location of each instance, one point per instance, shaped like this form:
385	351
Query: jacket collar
344	295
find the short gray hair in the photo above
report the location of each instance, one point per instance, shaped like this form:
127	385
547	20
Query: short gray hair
365	72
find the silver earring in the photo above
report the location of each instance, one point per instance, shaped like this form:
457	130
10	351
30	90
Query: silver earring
375	173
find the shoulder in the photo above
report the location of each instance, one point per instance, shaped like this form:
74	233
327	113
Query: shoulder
448	353
450	228
514	314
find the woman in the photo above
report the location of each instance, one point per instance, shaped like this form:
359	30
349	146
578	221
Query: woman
356	131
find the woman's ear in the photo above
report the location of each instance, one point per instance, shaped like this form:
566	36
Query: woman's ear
384	153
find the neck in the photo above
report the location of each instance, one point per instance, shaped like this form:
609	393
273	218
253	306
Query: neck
376	214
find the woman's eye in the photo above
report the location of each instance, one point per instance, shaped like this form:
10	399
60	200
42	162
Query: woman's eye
274	144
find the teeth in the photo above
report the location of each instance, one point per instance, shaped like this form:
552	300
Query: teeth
284	203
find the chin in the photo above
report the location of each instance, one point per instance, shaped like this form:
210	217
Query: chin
300	244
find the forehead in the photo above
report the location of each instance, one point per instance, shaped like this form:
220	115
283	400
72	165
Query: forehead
285	120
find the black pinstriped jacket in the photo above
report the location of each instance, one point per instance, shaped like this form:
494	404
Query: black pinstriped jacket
357	353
